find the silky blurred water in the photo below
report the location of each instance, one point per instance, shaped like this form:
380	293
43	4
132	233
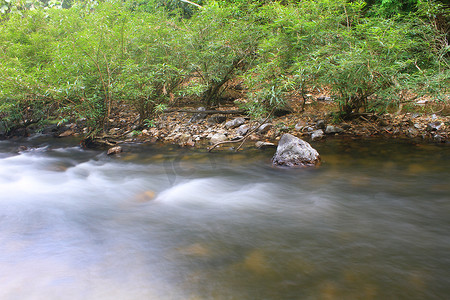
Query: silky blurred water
372	222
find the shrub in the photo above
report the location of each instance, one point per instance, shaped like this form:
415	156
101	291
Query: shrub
221	44
155	66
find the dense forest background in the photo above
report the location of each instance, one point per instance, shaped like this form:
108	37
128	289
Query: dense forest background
82	59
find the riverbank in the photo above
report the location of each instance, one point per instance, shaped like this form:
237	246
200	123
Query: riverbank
428	122
189	126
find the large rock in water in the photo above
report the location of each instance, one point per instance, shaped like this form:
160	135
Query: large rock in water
294	152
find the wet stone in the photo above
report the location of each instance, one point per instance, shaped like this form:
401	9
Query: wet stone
412	132
300	125
438	138
67	133
324	98
294	152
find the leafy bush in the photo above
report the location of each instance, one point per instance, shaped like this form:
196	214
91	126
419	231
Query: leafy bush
366	62
88	58
155	64
220	43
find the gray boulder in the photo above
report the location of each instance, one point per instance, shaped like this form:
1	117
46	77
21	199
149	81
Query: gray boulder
294	152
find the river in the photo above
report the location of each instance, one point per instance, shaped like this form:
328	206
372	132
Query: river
372	222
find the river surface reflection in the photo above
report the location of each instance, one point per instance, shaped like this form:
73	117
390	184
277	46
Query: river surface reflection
372	222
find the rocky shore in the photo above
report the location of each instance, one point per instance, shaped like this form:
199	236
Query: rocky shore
230	130
192	127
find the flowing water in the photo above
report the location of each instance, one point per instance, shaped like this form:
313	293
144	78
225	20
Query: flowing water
372	222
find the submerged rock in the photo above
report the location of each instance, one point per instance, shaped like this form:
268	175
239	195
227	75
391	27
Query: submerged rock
294	152
145	196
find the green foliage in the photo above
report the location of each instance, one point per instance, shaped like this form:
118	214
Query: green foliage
287	54
155	64
88	59
149	123
173	7
366	62
84	58
220	45
388	8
